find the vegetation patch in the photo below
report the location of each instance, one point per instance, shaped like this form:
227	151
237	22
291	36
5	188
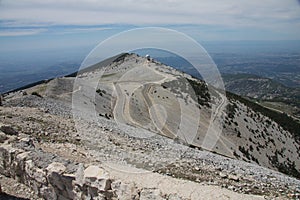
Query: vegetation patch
36	94
285	121
288	168
201	91
101	92
231	110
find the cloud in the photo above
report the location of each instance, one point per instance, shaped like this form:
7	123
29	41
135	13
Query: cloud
83	12
271	15
20	32
83	29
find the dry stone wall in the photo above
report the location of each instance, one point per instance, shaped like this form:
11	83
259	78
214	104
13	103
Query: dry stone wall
63	180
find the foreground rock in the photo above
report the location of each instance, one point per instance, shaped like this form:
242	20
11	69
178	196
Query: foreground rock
67	180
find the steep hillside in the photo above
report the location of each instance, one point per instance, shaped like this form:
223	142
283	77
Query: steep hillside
138	112
247	134
158	98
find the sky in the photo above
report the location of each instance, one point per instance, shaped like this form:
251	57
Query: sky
202	19
54	24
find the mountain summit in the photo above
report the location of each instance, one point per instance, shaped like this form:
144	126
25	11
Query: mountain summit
132	114
135	91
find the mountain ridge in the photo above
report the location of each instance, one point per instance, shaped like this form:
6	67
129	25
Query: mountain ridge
127	123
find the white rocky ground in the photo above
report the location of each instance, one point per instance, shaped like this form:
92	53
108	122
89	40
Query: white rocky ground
94	155
169	169
158	98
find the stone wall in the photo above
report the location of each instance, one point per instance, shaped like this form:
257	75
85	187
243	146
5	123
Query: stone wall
53	182
65	180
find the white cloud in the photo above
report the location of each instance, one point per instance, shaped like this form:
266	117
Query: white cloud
81	30
227	12
21	32
268	14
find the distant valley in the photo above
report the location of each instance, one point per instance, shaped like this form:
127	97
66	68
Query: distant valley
265	91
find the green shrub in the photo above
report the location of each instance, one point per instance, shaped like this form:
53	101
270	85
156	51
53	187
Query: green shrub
36	94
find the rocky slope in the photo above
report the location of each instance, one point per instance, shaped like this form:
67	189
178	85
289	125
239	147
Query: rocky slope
115	142
148	94
38	155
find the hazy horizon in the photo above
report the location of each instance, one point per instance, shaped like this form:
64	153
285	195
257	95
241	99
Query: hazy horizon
41	36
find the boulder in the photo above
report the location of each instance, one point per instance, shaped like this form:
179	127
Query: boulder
3	137
79	175
34	172
56	167
96	177
234	177
125	190
149	194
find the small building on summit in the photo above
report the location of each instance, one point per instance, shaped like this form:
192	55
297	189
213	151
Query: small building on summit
148	57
